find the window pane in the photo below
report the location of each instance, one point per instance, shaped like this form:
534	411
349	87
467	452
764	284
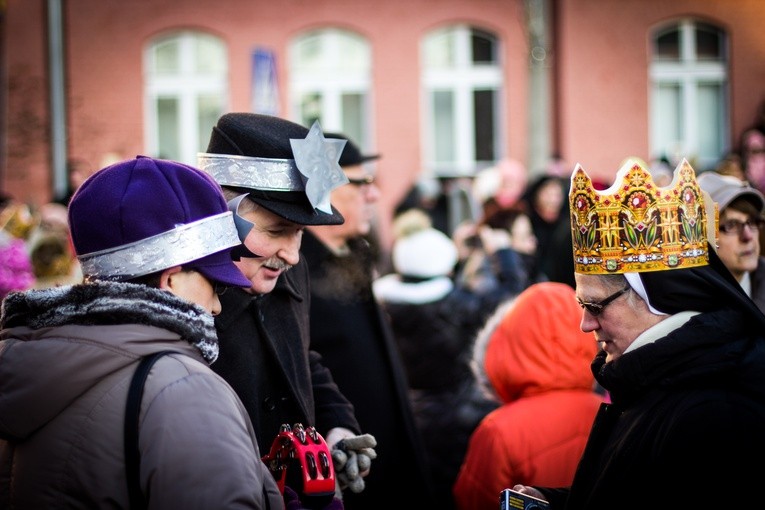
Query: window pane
443	114
440	50
666	120
483	102
710	123
166	59
667	45
483	47
210	55
307	53
209	108
353	124
708	43
355	54
168	123
310	109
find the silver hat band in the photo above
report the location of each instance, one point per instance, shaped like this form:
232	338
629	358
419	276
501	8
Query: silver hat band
253	173
175	247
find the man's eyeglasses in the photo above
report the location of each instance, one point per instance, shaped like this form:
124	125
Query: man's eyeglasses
736	227
596	309
362	181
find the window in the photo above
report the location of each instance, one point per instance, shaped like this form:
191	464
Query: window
330	81
689	93
462	80
186	92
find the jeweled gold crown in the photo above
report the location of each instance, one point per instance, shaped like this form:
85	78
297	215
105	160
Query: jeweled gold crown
636	226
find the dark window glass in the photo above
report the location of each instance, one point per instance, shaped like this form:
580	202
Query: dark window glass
484	125
483	47
668	45
708	42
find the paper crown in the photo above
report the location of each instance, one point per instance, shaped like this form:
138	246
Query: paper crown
636	226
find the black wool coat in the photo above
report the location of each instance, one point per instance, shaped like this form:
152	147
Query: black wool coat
265	357
349	330
686	428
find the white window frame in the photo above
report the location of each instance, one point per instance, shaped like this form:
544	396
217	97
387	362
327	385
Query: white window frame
463	79
186	87
332	81
688	75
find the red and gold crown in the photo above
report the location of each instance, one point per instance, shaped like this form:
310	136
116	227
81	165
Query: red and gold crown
636	226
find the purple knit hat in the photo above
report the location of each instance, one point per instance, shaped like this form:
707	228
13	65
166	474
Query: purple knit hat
145	215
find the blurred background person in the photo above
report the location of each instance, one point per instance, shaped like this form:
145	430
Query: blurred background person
499	253
547	210
753	156
434	323
51	250
741	209
16	222
731	165
353	335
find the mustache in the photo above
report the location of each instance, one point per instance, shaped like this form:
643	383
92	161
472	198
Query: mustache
277	263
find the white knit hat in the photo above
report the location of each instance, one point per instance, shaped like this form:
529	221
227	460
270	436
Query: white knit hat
424	254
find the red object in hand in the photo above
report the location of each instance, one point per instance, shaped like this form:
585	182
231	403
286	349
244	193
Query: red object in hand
309	448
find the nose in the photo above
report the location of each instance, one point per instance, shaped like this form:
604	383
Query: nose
290	250
371	193
216	306
748	231
589	322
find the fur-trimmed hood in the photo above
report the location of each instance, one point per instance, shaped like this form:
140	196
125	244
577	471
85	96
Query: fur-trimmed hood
109	304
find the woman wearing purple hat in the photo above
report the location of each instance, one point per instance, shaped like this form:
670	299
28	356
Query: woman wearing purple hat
153	238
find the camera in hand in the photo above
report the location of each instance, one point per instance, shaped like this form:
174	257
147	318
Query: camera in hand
512	500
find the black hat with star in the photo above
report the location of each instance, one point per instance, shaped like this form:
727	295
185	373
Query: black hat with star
282	166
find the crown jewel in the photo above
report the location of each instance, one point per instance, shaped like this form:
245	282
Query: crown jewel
636	226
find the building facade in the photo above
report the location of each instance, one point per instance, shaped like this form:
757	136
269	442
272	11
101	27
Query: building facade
437	87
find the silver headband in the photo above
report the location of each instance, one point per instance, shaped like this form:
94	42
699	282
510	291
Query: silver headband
254	173
184	243
315	169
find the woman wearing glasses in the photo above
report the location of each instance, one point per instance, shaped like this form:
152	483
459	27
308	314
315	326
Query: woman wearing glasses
682	352
741	209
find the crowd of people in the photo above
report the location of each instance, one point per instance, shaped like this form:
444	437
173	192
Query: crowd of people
595	346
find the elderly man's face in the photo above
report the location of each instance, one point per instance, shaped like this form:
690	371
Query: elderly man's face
620	322
276	242
356	202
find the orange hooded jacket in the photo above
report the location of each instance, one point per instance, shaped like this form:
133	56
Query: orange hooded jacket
536	360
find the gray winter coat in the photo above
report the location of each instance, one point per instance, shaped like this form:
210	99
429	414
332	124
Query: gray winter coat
66	359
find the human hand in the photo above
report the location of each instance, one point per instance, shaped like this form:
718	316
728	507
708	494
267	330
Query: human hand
494	239
336	434
529	491
352	458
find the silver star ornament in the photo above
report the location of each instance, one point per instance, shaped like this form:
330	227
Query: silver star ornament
318	160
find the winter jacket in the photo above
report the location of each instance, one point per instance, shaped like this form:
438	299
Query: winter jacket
685	426
535	359
67	355
265	356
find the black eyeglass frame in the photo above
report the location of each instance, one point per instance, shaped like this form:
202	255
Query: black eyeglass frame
362	181
735	227
597	308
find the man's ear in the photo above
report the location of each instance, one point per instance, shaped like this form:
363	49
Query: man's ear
166	278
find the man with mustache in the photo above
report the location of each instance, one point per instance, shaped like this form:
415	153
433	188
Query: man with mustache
276	176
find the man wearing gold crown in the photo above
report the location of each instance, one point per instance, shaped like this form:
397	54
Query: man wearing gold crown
682	352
